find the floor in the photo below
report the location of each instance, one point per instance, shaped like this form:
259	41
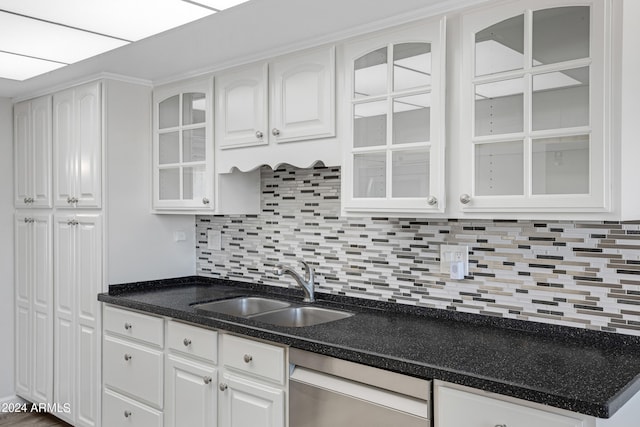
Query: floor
28	419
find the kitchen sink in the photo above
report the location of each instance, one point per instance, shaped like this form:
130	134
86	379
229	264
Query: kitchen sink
301	316
275	312
243	306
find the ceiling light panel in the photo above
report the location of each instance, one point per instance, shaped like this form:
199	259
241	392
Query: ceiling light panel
18	67
30	37
127	19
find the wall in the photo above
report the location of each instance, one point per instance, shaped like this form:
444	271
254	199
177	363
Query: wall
7	390
582	274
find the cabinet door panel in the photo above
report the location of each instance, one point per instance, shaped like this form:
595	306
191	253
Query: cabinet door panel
64	364
87	376
241	108
190	394
88	143
88	266
41	143
247	403
42	355
64	278
303	96
22	153
23	352
64	161
23	246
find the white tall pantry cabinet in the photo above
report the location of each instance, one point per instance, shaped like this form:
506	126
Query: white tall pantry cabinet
99	135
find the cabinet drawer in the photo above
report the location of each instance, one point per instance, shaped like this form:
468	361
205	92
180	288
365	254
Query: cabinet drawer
192	340
461	408
256	358
119	411
134	370
149	329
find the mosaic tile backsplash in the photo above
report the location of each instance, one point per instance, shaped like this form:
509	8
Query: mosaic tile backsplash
582	274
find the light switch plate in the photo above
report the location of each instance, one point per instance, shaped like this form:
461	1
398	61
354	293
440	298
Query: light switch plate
454	253
214	240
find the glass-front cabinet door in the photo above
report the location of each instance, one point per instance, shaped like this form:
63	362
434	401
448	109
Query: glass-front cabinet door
183	147
394	157
534	107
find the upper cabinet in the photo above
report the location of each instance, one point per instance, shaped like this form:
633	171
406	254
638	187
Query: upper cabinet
184	174
77	147
266	104
394	126
535	106
32	151
183	146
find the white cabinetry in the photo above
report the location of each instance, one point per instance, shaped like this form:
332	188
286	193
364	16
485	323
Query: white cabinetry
77	147
456	405
252	387
32	152
394	129
133	369
536	106
34	308
191	377
77	281
184	178
263	105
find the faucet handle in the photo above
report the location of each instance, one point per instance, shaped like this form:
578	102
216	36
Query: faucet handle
308	272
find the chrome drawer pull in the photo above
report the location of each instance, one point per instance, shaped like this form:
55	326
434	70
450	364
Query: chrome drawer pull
128	326
186	342
128	357
127	414
248	358
501	425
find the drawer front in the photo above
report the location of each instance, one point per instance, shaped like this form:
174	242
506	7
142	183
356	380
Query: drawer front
192	340
255	358
461	408
148	329
134	370
119	411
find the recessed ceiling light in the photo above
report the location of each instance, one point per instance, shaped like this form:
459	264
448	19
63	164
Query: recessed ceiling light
18	67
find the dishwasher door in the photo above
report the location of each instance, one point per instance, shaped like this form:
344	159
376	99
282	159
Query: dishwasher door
319	399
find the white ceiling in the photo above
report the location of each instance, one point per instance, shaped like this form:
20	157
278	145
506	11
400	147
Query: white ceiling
252	30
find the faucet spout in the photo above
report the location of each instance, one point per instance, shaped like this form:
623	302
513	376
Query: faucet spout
306	283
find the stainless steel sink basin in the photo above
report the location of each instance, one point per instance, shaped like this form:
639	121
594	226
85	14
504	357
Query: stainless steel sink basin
301	316
243	306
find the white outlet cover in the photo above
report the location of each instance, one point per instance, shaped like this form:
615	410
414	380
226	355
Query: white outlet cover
450	253
214	240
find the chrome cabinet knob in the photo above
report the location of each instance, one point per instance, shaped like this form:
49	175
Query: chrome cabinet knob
28	200
465	199
186	342
127	414
128	357
247	358
259	134
501	425
432	200
72	200
205	201
128	326
207	380
275	132
223	387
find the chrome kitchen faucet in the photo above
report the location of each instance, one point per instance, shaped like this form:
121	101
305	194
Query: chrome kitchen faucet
305	282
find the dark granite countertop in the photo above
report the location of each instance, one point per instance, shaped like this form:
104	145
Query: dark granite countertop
593	373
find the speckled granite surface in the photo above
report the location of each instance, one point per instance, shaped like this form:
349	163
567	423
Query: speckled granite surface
589	372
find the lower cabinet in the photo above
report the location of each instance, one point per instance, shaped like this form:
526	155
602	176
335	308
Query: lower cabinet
252	387
160	372
245	402
457	406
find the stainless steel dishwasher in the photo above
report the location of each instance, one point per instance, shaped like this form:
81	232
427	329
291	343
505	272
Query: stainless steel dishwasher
329	392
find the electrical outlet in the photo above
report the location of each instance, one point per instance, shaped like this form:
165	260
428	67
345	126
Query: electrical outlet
214	240
454	254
